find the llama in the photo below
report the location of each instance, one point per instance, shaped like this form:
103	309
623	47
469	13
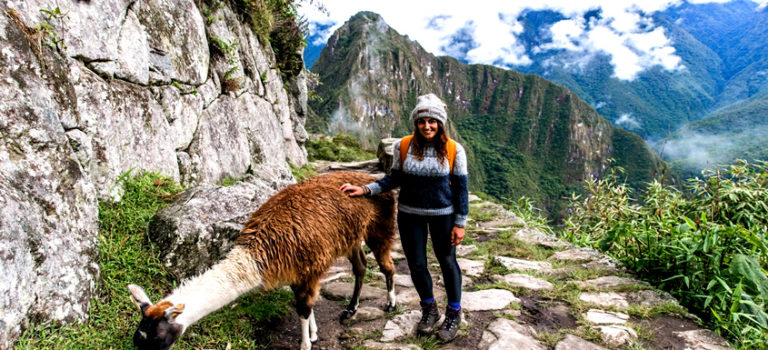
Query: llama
292	239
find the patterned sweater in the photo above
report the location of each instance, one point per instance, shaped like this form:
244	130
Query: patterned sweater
427	187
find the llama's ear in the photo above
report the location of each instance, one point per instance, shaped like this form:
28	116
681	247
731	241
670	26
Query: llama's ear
172	312
139	297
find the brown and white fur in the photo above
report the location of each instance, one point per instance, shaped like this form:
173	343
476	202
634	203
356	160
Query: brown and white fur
292	239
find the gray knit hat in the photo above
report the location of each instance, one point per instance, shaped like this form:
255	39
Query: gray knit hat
429	106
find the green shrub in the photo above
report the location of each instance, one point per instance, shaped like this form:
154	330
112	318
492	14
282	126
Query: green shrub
706	246
341	148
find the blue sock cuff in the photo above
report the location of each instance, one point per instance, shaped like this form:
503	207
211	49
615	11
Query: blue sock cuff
455	306
430	300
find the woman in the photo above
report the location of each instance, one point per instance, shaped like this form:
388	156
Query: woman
433	199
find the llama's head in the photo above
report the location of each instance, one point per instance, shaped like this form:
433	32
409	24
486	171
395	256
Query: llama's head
157	329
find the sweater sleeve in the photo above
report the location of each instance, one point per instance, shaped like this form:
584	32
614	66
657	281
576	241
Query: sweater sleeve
460	187
391	180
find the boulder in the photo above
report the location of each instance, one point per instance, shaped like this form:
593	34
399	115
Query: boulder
200	227
384	153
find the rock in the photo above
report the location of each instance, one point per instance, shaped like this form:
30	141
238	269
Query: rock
601	317
133	51
333	277
403	280
473	198
372	344
617	335
576	255
489	299
464	250
409	296
176	36
572	342
367	313
227	145
649	298
401	326
506	334
607	282
471	268
524	281
200	227
343	290
532	235
126	128
48	204
603	299
384	153
702	339
523	265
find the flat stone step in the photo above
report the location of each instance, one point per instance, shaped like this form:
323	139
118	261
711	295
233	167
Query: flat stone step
572	342
472	268
507	334
608	282
486	300
523	265
601	317
523	281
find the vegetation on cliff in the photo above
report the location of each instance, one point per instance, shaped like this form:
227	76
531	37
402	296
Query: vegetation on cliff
705	245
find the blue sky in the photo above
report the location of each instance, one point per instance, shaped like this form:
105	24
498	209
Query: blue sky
623	31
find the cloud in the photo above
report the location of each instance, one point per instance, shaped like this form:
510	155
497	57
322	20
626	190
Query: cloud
488	32
628	122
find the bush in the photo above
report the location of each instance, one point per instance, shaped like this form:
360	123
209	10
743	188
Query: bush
706	245
341	148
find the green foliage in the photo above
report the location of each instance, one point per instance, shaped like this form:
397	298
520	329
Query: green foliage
277	22
706	246
126	256
302	173
46	28
342	147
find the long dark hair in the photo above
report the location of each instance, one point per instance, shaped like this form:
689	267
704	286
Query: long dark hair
440	142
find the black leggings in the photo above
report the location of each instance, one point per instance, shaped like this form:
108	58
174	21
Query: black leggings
413	234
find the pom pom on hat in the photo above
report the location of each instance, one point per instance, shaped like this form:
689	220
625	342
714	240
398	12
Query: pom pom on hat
429	106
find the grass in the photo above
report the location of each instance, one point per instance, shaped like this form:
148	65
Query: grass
126	257
302	173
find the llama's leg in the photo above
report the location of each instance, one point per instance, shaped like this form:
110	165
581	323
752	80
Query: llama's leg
357	258
312	327
306	296
381	250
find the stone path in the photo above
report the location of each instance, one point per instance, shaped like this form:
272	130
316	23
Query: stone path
525	290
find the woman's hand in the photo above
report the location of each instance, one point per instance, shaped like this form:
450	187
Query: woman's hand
457	235
351	190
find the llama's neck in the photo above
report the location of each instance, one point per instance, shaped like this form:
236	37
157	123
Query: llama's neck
218	286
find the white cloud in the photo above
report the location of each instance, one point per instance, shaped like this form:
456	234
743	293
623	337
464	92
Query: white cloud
625	31
628	122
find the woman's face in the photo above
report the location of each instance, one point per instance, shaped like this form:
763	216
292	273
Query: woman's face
427	127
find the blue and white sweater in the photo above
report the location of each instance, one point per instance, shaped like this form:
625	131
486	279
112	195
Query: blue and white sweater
427	187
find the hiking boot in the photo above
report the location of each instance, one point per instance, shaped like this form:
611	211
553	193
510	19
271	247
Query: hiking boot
429	316
450	326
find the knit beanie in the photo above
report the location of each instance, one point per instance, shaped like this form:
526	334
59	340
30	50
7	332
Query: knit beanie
429	106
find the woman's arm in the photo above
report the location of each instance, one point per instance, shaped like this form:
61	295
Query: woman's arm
460	187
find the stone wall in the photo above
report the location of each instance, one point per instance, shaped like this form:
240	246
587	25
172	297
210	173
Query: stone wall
110	86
